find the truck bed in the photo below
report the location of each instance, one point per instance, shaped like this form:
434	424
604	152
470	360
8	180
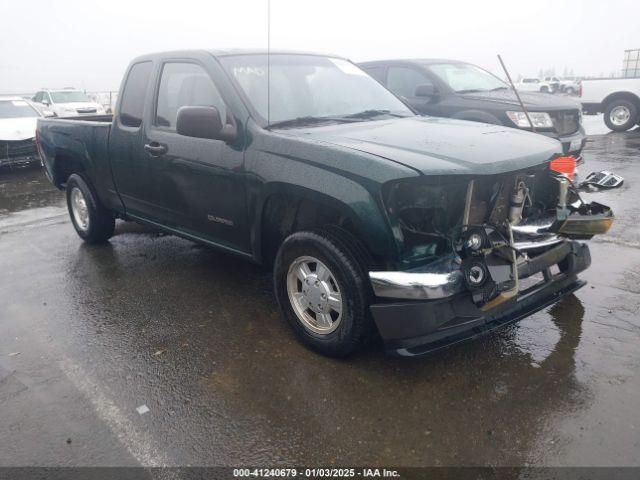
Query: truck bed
595	91
87	118
78	144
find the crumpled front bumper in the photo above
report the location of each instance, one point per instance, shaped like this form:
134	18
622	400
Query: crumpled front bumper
410	326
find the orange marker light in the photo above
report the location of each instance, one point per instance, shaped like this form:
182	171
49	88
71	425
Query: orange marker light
565	166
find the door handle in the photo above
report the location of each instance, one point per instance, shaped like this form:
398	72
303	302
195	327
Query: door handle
155	149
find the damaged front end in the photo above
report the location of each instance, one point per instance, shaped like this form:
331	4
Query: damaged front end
473	242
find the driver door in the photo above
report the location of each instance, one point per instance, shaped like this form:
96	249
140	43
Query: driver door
198	184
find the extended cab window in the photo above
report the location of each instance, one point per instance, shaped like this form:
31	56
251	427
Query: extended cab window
181	85
403	81
375	72
135	90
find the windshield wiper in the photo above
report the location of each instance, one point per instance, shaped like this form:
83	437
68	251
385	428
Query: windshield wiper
373	113
499	88
307	120
471	90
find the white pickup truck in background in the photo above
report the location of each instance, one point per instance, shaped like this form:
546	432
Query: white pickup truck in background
617	98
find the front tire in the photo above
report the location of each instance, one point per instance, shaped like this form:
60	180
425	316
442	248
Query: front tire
322	287
93	223
620	115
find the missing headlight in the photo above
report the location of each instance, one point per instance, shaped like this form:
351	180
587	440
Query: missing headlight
427	214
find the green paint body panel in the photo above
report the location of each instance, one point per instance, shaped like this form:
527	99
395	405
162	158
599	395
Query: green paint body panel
343	166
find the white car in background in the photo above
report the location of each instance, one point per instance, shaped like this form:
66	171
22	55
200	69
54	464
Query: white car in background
18	119
68	102
553	82
570	85
533	85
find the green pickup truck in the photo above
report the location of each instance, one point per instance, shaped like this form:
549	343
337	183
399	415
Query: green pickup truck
378	223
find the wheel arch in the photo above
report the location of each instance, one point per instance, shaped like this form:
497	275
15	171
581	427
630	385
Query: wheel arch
65	165
621	95
285	208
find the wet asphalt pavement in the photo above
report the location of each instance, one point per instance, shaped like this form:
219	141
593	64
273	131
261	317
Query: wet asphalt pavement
88	334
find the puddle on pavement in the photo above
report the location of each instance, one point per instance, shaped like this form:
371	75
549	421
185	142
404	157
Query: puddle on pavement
26	188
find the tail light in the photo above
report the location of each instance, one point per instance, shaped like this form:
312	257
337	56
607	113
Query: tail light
564	166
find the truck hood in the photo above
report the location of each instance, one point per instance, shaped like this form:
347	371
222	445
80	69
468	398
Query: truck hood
12	129
434	146
535	101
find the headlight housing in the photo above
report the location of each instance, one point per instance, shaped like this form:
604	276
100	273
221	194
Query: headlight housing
425	213
539	119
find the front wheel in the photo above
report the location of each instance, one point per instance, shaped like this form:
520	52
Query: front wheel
93	223
321	284
620	115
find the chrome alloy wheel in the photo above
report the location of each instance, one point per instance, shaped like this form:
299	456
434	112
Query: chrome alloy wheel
79	209
315	295
619	115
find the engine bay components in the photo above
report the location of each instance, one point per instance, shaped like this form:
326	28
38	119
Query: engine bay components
488	228
517	202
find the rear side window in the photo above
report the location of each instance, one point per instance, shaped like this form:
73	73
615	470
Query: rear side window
403	81
135	90
181	85
375	72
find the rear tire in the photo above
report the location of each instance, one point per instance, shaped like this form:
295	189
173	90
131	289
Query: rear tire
544	89
620	115
322	286
93	223
569	90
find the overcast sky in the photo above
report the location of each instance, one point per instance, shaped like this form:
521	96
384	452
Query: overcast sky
87	44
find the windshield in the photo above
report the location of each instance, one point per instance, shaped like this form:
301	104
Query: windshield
17	109
69	96
308	87
466	78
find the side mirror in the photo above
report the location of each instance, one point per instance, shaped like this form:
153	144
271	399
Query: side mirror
203	122
47	113
425	91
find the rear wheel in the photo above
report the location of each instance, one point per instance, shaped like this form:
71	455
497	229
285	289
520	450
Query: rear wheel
93	223
323	291
620	115
569	90
544	89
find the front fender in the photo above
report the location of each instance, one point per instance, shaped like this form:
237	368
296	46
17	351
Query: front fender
346	197
346	180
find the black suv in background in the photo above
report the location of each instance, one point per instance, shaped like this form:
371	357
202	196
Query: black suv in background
449	88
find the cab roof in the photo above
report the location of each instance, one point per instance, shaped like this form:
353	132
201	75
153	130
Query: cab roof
228	53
